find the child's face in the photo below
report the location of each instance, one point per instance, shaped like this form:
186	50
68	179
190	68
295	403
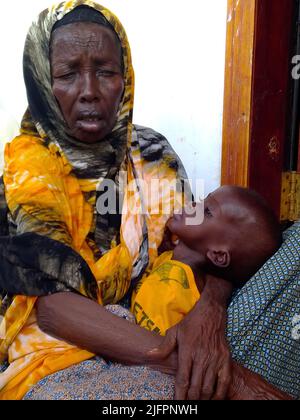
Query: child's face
230	236
215	227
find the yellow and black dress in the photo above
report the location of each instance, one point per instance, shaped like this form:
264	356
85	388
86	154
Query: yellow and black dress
53	239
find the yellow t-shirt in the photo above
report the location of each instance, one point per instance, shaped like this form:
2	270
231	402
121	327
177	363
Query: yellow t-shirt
165	296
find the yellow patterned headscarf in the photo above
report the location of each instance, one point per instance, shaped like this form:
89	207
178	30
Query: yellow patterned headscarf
98	161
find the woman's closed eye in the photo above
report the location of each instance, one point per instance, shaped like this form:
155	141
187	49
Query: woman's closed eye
64	75
72	76
106	73
67	76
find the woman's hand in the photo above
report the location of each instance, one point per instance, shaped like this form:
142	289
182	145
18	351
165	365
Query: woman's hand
204	360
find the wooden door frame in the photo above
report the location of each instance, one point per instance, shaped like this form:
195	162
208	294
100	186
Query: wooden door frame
256	97
237	92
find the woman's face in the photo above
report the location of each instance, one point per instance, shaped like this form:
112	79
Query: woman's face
87	79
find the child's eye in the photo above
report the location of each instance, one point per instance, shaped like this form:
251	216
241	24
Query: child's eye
207	212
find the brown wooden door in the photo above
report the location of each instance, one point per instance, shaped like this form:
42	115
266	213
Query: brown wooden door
257	128
271	97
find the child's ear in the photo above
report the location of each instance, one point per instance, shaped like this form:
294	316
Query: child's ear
219	258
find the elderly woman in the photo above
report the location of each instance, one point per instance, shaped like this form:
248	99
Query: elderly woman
63	258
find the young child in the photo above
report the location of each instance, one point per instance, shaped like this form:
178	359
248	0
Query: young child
238	235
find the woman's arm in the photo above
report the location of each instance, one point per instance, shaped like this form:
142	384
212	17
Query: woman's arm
88	325
84	323
249	386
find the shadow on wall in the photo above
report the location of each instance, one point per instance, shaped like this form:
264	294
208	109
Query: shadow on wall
9	129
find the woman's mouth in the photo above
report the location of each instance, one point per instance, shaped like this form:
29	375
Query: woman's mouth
89	122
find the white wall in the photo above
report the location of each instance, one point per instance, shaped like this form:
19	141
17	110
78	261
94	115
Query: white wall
178	51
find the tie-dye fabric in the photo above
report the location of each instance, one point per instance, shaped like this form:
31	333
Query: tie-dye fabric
54	238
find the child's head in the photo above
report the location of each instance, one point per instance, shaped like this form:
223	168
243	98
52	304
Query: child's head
238	235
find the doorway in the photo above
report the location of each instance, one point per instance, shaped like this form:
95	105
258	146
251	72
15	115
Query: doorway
262	102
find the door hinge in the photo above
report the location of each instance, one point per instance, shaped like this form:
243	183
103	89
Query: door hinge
290	196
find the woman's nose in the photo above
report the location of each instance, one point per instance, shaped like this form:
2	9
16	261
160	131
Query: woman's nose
89	89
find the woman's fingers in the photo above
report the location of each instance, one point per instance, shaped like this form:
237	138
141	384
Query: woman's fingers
224	382
210	379
182	383
195	383
203	379
208	384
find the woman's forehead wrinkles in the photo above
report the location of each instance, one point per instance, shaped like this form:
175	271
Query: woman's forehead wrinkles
82	41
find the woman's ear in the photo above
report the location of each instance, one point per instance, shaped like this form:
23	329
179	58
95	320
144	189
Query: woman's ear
220	259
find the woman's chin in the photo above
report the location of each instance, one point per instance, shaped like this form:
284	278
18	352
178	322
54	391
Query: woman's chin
88	137
90	132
